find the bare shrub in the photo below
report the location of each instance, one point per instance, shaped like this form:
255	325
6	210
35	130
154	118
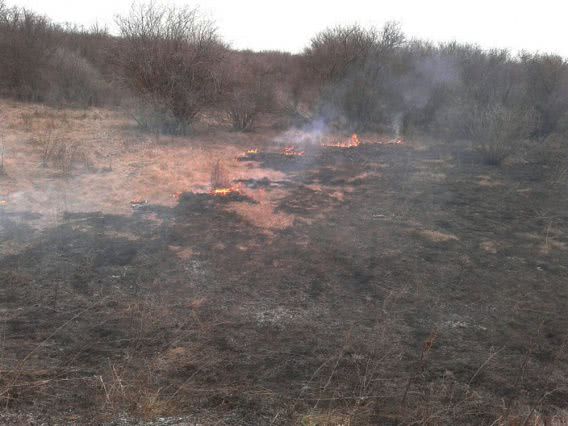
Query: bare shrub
357	68
251	81
153	116
242	112
26	44
169	57
60	152
496	131
545	89
36	65
551	155
75	80
334	51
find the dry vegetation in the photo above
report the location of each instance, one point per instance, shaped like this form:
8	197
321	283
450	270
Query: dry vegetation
192	235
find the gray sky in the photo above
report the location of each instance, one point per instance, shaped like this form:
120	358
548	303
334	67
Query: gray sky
288	25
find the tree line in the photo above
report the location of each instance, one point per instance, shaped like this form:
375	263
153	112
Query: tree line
172	62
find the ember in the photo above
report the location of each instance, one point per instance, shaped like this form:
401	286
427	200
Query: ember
291	151
223	192
393	141
249	153
138	202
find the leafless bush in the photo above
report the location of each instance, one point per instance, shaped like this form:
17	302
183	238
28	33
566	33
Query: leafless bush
357	68
74	80
332	52
61	153
26	44
496	131
242	112
170	58
551	155
251	81
36	65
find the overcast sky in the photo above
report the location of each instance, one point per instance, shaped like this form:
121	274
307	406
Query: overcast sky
289	24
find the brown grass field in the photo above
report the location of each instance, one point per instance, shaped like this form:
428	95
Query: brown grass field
377	284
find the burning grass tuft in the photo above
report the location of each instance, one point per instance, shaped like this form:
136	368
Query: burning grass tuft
221	185
292	151
219	176
352	142
225	192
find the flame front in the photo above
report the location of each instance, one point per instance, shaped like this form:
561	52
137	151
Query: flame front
355	141
223	192
352	142
249	153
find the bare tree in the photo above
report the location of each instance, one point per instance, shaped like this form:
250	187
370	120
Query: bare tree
170	57
333	51
251	84
355	67
25	48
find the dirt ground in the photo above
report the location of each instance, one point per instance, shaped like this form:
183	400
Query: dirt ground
380	284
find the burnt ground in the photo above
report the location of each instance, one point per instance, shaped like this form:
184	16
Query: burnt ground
433	291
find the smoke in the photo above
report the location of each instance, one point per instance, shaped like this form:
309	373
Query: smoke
310	134
397	123
379	93
428	74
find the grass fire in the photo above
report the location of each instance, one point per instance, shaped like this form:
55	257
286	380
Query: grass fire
352	142
362	228
292	151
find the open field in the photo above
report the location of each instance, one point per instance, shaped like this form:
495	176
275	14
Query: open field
379	284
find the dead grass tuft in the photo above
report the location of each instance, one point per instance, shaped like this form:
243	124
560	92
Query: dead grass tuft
219	176
326	419
436	236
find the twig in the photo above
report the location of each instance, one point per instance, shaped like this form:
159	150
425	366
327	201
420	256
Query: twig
489	358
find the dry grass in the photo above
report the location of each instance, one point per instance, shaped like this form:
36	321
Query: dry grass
119	389
2	168
436	236
263	213
219	176
135	166
212	315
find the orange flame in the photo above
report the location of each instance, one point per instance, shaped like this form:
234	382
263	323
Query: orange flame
138	202
223	192
249	153
352	142
291	151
